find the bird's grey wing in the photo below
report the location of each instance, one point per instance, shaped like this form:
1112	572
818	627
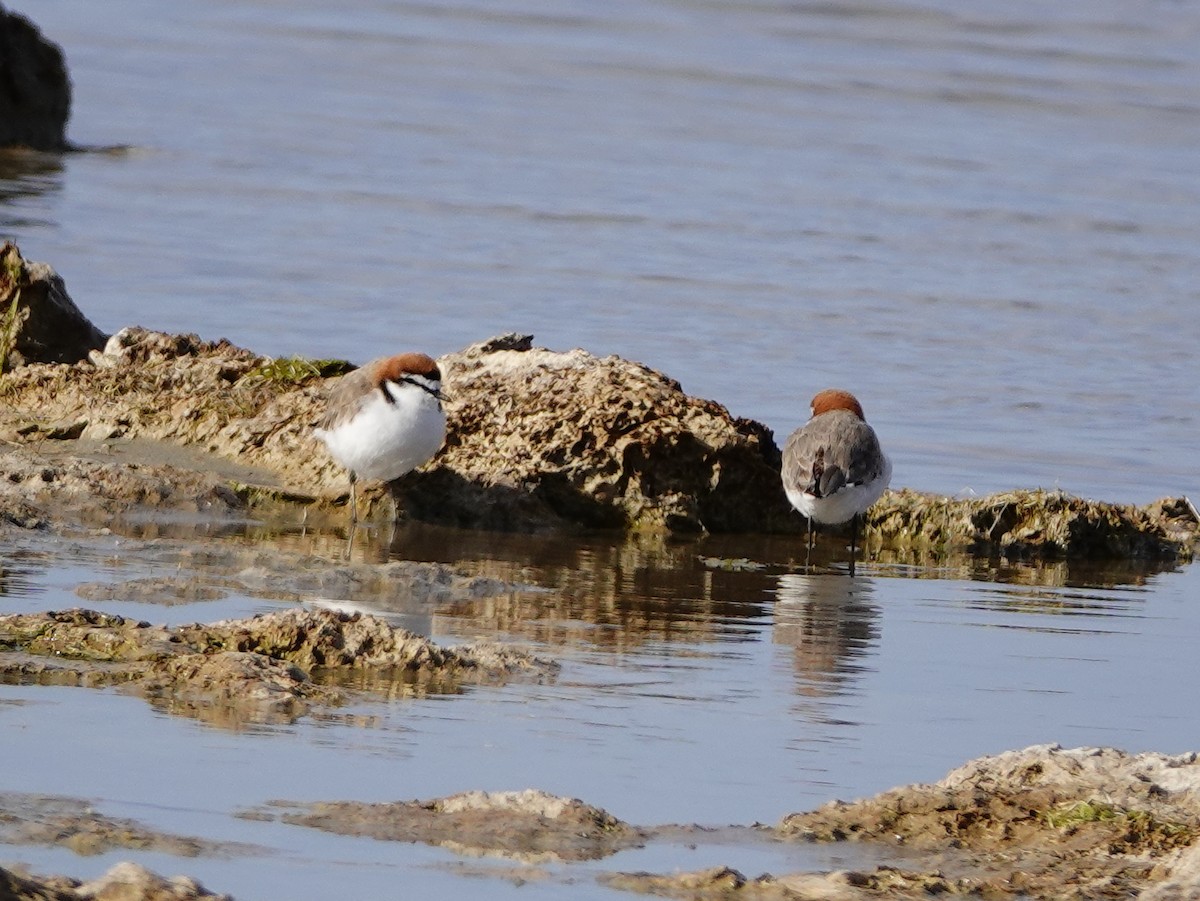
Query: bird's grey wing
346	398
858	453
830	452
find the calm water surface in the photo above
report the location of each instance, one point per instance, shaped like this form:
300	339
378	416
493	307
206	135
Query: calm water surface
982	221
688	694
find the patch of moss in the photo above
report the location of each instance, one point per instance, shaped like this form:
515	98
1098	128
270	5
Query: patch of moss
1140	830
1078	813
297	370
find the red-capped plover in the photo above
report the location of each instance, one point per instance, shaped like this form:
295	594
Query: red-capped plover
833	466
385	419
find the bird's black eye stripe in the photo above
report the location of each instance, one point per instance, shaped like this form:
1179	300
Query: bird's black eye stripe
434	391
387	394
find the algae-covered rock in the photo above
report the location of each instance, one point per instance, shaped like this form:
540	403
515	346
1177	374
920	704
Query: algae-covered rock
1043	822
270	668
536	440
1030	523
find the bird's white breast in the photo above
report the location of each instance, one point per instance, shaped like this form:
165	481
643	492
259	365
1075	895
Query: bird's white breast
384	440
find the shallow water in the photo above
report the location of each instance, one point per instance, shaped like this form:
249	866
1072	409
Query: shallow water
981	221
688	694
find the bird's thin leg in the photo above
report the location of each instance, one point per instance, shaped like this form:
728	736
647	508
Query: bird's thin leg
853	541
808	550
353	499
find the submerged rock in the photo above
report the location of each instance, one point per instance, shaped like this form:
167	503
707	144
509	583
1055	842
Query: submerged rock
530	825
72	823
273	667
35	89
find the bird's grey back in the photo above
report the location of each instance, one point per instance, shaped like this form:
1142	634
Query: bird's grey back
836	439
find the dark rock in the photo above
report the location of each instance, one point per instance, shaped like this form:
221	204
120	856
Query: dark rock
35	89
39	323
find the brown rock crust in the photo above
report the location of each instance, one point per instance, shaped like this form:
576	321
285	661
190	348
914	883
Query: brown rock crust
543	437
1043	822
1019	524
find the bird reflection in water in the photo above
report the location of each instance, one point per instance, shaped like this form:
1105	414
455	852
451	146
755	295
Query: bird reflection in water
832	627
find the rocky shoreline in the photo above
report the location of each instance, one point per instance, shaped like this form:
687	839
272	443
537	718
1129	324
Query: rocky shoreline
538	440
98	427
